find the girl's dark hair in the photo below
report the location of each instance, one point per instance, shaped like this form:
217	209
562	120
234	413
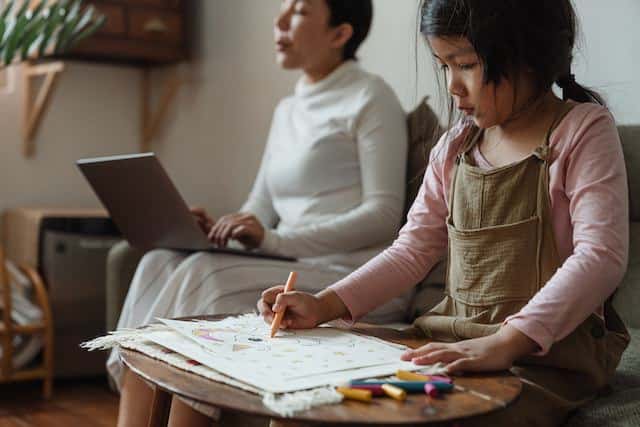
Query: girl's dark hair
357	13
514	36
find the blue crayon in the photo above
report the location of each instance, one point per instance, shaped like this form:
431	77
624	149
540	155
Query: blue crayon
409	386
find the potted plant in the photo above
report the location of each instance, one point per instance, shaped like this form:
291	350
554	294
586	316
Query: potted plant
32	29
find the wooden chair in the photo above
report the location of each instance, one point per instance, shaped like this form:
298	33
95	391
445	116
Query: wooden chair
8	331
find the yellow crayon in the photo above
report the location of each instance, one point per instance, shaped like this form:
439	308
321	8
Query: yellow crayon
411	376
394	392
354	394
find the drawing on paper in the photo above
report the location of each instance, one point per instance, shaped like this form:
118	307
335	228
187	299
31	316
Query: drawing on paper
241	348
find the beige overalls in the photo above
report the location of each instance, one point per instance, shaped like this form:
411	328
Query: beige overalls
501	253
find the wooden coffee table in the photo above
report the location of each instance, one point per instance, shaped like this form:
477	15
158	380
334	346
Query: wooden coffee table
209	396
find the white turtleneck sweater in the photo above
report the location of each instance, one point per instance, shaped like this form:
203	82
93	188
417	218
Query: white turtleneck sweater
332	180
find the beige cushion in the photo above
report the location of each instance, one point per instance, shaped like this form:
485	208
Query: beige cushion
424	132
630	137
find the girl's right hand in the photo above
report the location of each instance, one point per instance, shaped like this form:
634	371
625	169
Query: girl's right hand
303	310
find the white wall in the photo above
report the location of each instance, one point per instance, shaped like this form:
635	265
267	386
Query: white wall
91	113
215	132
608	57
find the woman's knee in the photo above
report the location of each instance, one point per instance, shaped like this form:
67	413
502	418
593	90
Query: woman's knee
160	257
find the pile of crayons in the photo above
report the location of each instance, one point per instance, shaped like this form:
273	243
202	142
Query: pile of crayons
408	382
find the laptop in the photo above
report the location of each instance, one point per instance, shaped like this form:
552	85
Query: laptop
146	206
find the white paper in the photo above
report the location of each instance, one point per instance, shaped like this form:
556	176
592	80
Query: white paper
240	348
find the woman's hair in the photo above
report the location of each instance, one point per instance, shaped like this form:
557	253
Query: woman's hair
512	37
357	13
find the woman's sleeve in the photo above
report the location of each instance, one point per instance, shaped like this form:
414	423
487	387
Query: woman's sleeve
381	133
260	202
596	186
422	242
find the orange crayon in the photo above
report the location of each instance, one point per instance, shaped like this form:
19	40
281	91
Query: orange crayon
277	319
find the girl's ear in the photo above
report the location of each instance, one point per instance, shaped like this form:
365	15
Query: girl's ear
342	35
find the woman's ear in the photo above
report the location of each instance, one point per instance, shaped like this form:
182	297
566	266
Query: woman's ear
342	35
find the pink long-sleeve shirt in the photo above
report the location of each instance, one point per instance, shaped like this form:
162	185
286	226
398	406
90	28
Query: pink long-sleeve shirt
589	201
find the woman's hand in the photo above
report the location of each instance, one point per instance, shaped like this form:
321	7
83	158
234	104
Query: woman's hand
204	220
495	352
303	310
245	228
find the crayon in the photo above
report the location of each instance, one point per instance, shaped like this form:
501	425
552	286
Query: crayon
431	390
414	376
353	394
411	376
394	392
375	390
277	319
409	386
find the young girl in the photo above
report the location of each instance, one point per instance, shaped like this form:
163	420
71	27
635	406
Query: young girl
527	196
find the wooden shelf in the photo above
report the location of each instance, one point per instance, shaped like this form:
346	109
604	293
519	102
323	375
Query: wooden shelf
35	107
138	32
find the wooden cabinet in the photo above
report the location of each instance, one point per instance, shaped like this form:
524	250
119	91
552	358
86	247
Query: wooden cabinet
144	32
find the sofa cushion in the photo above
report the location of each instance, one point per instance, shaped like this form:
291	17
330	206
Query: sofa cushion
618	407
630	137
627	298
424	131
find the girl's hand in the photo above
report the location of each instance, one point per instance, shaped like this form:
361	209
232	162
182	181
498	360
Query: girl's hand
303	310
245	228
204	220
495	352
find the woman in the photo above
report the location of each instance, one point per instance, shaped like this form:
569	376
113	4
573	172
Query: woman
330	189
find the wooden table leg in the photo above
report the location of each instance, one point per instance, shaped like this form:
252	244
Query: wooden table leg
160	408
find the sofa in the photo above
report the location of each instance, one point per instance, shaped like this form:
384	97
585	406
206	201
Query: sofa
618	406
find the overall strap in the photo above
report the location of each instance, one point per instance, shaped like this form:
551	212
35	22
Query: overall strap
470	139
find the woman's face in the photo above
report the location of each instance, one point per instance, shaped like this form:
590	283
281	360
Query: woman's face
304	39
488	104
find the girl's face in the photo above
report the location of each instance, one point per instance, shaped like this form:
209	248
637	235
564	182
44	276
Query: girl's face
304	39
488	104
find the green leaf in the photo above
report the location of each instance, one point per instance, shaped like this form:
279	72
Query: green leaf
31	36
32	32
87	32
87	17
54	19
74	35
35	13
3	27
23	10
72	19
11	23
7	9
13	39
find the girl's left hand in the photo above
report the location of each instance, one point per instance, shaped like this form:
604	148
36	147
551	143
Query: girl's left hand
495	352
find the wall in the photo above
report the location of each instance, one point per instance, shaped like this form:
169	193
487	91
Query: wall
91	113
215	133
608	58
